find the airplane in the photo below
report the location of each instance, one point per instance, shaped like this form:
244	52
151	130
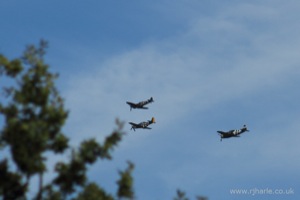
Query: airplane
139	105
232	133
143	125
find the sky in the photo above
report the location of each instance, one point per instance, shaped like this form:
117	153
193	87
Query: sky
209	65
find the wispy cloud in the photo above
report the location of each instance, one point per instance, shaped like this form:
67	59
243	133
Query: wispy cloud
235	55
179	74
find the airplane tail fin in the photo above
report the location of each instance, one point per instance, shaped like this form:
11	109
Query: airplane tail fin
245	128
153	120
151	100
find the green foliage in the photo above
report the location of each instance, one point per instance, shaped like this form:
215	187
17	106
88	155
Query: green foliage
10	186
10	68
35	114
126	182
70	175
180	195
89	150
50	194
201	198
93	192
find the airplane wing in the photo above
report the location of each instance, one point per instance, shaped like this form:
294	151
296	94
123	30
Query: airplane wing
143	107
222	132
147	128
236	136
133	124
130	103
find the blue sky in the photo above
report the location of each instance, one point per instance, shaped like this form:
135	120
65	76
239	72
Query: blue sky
209	65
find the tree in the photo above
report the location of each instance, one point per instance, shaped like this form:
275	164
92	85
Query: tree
33	116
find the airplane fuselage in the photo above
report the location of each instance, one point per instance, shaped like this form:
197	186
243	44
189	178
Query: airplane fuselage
232	133
143	125
140	105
